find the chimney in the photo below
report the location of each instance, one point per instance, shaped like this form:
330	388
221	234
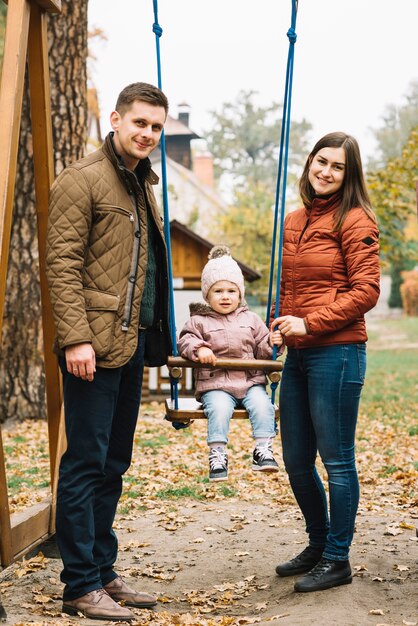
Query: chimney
184	113
203	168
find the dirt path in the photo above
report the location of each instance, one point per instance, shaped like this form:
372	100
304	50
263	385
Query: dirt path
208	560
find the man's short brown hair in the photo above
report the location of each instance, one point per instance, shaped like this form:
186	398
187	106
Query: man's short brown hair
143	92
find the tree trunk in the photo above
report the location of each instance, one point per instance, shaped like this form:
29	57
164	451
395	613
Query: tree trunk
22	380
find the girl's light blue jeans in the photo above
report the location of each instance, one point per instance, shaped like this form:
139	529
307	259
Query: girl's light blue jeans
219	406
319	401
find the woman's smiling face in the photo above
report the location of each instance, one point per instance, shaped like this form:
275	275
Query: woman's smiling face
327	171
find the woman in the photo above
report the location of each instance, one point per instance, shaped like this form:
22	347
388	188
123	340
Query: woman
330	279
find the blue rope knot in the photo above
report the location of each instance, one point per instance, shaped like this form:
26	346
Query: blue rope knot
291	33
157	29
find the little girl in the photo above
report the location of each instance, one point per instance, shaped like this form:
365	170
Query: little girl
227	329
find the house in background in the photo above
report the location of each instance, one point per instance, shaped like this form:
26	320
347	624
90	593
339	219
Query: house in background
178	137
192	194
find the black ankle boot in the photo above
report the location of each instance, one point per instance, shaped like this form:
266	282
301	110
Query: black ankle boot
324	575
301	563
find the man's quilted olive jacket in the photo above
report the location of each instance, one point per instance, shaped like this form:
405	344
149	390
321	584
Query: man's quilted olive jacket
97	256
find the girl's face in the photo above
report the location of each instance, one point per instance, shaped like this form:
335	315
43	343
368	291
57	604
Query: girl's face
327	171
224	297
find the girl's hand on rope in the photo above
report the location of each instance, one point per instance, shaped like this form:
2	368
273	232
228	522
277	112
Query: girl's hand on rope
290	326
205	355
81	361
276	338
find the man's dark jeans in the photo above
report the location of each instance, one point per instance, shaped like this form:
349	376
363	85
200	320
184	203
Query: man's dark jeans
319	400
100	421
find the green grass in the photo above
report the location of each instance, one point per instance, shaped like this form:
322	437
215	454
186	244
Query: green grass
228	492
383	331
154	443
28	477
19	439
15	482
391	382
180	492
390	469
132	494
32	470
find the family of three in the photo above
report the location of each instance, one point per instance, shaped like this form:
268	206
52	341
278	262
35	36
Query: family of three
107	272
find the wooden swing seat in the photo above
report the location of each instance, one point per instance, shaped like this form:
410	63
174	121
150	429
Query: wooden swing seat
190	409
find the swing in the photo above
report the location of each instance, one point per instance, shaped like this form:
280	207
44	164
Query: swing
184	410
190	408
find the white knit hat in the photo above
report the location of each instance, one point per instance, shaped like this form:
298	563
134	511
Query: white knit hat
221	266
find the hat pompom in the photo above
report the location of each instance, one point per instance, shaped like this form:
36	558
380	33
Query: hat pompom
218	251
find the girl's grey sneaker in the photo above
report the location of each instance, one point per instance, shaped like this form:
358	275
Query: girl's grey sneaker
263	459
218	464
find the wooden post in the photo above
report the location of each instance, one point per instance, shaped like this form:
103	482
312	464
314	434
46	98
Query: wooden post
39	86
24	16
11	94
6	552
60	449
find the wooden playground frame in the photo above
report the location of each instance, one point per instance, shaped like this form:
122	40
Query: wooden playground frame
26	38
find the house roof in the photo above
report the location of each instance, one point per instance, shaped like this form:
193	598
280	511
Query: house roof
250	274
191	177
176	128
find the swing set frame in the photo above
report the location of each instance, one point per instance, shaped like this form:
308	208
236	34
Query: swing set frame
26	39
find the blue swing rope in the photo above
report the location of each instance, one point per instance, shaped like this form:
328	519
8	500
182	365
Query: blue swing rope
158	31
281	181
280	191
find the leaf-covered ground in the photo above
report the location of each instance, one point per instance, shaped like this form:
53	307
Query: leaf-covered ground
209	550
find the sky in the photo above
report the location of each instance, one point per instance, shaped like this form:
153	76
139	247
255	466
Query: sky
353	58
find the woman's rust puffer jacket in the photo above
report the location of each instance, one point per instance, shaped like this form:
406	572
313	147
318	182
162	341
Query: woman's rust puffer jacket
329	278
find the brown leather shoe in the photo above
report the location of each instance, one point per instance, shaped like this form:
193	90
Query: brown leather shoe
97	604
121	592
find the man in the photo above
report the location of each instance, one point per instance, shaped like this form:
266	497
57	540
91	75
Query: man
107	275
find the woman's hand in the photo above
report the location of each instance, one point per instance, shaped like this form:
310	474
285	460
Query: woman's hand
289	326
205	355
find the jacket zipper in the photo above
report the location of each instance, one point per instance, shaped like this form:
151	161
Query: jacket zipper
293	273
303	231
127	313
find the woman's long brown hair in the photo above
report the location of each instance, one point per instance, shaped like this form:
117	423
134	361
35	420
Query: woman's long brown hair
353	191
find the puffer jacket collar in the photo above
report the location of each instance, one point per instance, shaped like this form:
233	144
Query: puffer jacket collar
324	204
143	170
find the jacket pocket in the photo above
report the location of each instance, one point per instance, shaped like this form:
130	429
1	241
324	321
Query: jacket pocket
207	374
101	309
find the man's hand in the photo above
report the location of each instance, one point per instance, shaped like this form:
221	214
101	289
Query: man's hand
81	360
289	325
205	355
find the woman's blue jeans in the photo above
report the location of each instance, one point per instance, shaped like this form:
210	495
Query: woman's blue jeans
219	406
319	401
